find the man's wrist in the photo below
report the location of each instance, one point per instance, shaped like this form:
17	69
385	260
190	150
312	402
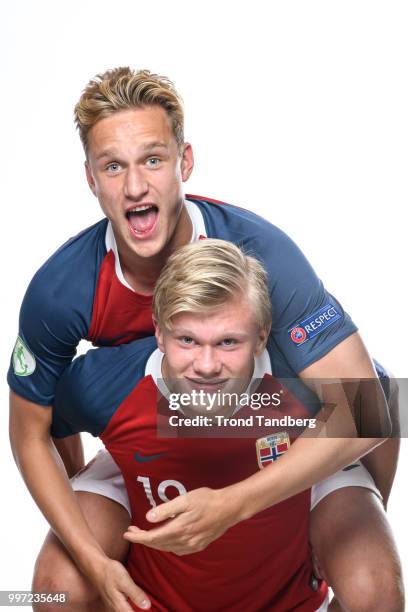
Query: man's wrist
256	493
93	564
240	502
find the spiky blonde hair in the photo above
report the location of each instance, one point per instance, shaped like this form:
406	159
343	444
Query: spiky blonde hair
204	275
124	89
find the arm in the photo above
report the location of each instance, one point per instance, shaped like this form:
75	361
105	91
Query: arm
55	315
39	463
71	452
204	514
382	462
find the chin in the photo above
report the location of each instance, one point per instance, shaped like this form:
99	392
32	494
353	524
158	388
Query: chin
146	250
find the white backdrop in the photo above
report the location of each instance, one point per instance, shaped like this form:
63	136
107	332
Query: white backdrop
297	111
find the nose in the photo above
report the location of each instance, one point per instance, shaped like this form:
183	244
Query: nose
207	363
136	185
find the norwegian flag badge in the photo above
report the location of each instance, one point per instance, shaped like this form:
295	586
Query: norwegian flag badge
271	447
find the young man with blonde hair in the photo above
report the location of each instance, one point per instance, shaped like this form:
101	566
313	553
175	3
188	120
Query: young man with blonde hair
99	285
213	317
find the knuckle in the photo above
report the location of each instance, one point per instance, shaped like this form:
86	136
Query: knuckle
198	545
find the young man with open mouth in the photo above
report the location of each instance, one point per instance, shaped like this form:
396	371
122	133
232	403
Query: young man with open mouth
99	285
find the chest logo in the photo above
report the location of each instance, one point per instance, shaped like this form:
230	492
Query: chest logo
271	447
143	458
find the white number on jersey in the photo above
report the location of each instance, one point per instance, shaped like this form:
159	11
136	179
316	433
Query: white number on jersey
161	489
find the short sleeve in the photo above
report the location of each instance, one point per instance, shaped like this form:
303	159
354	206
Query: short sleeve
307	321
55	315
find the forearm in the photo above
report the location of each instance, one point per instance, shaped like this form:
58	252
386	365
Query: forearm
307	461
59	506
71	452
46	479
314	455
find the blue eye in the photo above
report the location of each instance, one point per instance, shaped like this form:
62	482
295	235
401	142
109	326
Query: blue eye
113	167
153	162
186	340
229	342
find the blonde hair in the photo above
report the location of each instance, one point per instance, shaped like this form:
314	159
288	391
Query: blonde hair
124	89
202	276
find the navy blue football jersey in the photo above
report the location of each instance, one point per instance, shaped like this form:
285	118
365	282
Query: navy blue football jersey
80	293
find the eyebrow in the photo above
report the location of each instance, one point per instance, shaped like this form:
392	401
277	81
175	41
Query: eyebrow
148	146
106	153
228	334
156	144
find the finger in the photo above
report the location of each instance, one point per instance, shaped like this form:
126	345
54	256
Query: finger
136	594
121	604
146	538
163	541
132	534
162	538
167	510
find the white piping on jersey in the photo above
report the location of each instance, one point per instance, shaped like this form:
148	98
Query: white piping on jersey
111	245
197	222
154	369
262	366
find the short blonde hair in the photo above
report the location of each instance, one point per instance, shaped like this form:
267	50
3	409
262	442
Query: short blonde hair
124	89
204	275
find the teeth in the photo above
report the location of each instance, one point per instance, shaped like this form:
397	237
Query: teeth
140	208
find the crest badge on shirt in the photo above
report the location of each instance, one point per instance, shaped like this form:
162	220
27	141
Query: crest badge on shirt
271	447
23	360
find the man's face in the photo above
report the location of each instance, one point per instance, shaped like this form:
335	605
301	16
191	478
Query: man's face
136	171
213	351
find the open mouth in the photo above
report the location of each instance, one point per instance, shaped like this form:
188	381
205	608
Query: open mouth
142	219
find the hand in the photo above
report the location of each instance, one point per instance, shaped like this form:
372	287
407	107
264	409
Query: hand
115	586
195	520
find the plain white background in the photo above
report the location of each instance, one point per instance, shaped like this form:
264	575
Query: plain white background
297	110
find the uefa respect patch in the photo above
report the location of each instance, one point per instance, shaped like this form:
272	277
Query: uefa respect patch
315	324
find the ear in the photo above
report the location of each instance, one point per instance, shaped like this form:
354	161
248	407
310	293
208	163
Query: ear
90	178
158	332
262	339
187	161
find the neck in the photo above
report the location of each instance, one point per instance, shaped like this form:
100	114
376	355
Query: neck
142	272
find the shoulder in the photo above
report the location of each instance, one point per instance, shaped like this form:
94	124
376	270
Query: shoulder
223	219
254	234
94	385
288	269
69	276
86	249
